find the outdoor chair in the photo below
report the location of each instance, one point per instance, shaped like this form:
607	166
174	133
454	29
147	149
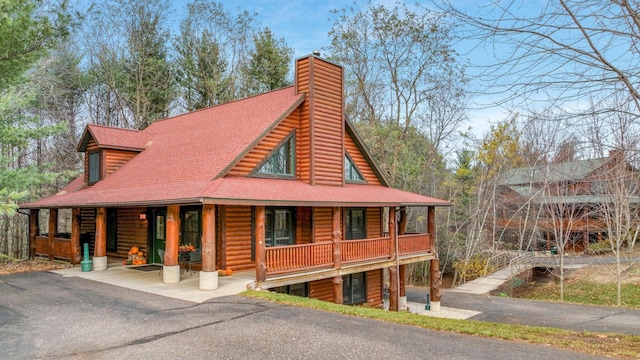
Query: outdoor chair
161	255
195	257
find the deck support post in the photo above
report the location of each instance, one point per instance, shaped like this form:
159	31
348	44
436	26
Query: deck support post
394	294
53	230
209	275
75	235
261	247
171	269
434	291
337	290
402	297
34	230
100	246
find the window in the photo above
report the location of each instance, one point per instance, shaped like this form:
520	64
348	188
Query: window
353	289
112	229
282	160
279	227
351	173
355	224
94	167
191	228
301	290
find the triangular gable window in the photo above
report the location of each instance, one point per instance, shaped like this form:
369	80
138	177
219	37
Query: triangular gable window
281	162
351	172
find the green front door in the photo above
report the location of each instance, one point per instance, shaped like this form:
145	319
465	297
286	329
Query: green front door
158	235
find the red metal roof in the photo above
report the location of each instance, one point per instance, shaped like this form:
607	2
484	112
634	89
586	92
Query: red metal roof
185	156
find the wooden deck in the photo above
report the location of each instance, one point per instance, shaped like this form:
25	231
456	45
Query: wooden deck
296	258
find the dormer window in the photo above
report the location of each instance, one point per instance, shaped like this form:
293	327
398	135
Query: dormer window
94	168
351	173
281	162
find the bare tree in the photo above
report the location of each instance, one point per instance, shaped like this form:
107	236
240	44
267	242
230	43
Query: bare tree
556	53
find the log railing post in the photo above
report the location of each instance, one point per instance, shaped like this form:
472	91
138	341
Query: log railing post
208	275
171	271
261	247
100	245
34	230
53	230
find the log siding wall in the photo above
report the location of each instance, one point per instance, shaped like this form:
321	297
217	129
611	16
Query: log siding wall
359	160
237	238
374	287
114	159
322	123
322	224
132	231
374	222
271	140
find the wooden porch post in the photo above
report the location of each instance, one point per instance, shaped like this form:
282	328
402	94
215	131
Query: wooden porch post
393	270
336	237
53	230
402	229
434	292
75	235
171	271
209	275
100	246
402	222
34	230
261	246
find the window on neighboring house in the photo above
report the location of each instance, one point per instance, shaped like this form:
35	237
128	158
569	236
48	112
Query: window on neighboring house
191	228
281	162
94	167
301	290
279	227
351	173
353	289
355	224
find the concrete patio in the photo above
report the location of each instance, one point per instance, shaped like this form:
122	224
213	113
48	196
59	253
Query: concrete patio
151	281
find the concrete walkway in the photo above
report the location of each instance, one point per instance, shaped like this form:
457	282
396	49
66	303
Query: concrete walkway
151	282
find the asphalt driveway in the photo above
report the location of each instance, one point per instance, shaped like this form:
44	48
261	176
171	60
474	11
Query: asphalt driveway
46	315
538	313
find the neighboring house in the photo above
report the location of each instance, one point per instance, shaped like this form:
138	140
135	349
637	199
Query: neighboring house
573	200
277	183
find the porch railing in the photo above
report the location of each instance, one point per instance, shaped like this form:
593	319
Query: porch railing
281	259
61	247
414	243
286	259
365	249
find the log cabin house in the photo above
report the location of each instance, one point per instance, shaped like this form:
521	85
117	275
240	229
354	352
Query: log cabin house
571	201
278	183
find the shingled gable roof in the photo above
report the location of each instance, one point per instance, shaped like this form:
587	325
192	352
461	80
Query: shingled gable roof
113	138
185	158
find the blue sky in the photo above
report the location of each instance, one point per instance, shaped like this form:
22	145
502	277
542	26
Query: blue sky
303	24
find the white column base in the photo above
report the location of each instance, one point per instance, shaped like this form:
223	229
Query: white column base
208	280
99	263
171	274
402	303
435	306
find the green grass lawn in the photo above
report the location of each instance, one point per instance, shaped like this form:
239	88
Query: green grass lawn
590	285
618	345
585	292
